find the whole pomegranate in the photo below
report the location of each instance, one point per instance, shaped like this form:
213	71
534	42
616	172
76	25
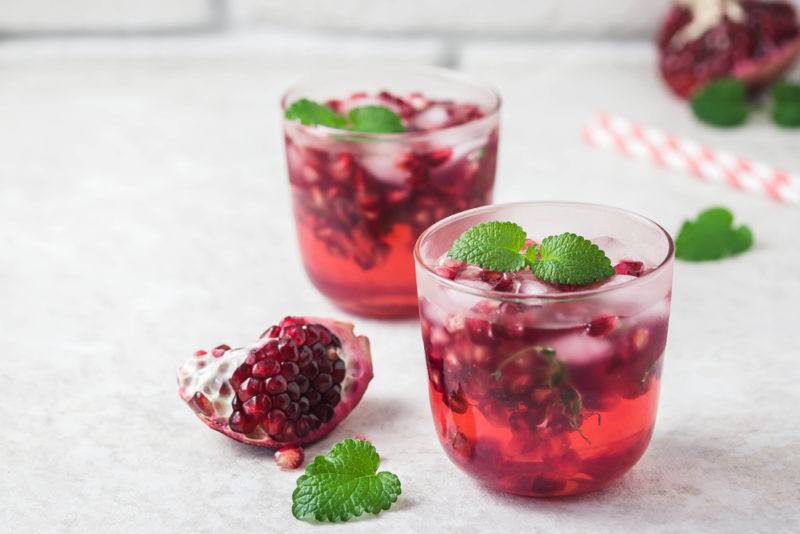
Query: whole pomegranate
755	41
291	387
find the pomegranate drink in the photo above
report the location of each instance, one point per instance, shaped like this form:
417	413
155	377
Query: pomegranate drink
370	170
544	379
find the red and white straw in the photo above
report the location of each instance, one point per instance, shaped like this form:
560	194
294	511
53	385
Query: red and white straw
705	163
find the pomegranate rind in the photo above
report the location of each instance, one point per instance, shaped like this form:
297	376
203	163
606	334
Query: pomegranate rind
755	73
208	376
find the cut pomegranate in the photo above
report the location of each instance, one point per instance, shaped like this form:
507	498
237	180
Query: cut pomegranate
292	387
703	40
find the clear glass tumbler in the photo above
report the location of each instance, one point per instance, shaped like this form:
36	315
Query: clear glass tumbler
547	393
362	199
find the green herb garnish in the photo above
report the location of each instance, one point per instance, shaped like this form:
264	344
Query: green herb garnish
313	113
344	484
375	119
786	104
369	119
721	103
563	259
711	237
569	259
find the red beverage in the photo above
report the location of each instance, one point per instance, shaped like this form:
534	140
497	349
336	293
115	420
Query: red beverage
542	390
361	199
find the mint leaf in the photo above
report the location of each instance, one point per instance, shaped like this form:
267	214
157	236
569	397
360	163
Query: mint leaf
722	103
571	259
344	484
712	237
492	245
375	119
786	104
313	113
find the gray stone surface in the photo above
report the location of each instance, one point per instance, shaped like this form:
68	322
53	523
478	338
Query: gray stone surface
144	213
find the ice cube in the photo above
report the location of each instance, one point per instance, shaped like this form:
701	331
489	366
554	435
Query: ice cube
580	348
432	118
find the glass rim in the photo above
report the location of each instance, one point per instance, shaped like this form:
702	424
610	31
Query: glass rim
452	75
579	294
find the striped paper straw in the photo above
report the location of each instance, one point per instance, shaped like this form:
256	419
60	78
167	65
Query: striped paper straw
705	163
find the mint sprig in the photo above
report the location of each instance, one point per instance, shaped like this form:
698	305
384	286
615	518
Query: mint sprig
368	119
785	98
563	259
712	236
569	259
492	245
375	119
312	113
344	484
721	103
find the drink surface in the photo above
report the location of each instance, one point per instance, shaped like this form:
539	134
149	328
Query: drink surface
360	205
545	397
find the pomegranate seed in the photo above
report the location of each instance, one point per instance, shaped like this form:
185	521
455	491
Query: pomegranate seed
602	326
200	353
257	407
266	368
632	268
290	457
271	332
200	404
276	422
275	385
220	350
239	422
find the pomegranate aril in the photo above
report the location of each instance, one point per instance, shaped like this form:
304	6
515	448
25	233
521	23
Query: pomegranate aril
275	423
292	411
289	370
333	395
290	457
287	350
272	331
276	384
302	428
257	407
325	366
339	371
310	370
239	422
305	355
628	267
296	333
303	383
293	390
249	388
281	402
313	421
303	405
218	351
266	368
602	326
239	376
324	412
201	404
200	353
323	383
313	397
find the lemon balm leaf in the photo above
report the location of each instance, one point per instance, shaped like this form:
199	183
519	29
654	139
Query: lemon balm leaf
344	484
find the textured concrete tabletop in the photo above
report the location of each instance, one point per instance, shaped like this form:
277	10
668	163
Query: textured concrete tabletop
144	213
